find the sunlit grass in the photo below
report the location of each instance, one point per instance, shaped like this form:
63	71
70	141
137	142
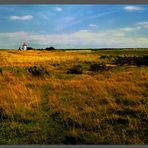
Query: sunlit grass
104	107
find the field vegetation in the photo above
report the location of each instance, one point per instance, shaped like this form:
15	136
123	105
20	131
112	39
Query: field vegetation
74	97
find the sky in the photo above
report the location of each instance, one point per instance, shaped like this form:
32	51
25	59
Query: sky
74	26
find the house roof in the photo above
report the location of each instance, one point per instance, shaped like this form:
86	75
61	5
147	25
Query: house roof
24	44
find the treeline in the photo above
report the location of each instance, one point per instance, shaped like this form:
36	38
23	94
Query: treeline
92	49
48	48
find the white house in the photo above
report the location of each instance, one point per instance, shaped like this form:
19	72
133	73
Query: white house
24	46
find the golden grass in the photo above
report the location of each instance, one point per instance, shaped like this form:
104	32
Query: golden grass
22	58
89	101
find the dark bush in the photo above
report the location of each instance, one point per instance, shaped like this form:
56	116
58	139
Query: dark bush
98	67
50	48
1	71
75	70
3	114
106	56
119	60
37	71
29	48
142	61
103	56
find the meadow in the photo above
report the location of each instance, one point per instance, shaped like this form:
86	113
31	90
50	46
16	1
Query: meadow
73	97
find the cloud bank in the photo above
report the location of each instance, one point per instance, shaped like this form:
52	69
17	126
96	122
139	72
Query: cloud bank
121	37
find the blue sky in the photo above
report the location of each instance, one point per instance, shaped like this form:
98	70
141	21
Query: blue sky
74	26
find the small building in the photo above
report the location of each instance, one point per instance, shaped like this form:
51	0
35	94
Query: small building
24	46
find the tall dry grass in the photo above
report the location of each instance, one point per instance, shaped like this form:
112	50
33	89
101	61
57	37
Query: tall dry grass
108	107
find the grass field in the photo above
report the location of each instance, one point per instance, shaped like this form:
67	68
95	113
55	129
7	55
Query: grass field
64	101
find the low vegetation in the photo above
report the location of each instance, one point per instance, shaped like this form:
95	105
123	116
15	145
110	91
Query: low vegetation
77	69
98	67
1	71
37	71
135	60
73	97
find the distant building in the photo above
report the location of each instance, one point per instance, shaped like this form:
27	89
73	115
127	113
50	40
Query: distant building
24	46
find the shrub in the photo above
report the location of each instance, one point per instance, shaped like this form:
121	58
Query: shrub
98	67
50	48
106	57
1	71
119	60
30	48
3	114
37	71
142	61
103	56
75	70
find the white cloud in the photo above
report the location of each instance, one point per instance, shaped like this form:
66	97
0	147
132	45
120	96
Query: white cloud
58	9
133	8
143	24
23	18
120	37
92	25
129	29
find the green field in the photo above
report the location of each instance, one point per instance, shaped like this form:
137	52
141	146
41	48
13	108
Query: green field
74	97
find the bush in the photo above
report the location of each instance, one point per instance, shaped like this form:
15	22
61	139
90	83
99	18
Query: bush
142	61
119	60
30	48
75	70
1	71
98	67
106	57
37	71
50	48
3	114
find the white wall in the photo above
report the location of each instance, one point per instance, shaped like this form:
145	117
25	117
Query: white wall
25	47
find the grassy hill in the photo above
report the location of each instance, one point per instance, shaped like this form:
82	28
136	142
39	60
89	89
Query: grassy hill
60	97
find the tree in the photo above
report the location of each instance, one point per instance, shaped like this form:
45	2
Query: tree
50	48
